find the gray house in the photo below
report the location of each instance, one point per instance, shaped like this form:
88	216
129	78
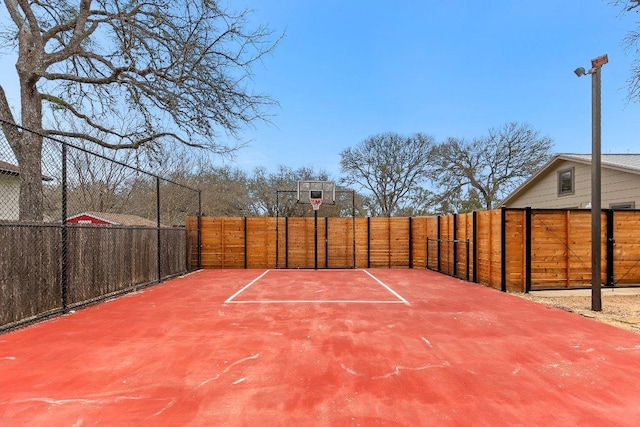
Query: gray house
9	191
565	182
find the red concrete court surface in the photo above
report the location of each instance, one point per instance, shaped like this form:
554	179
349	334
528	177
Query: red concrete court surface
319	348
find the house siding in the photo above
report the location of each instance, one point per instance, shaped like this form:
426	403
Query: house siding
617	187
9	196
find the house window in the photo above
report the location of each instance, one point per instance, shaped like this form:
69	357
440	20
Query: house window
623	205
566	182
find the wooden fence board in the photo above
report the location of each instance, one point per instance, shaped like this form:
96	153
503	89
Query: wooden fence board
626	247
380	243
340	243
399	243
29	272
362	233
515	251
419	242
260	237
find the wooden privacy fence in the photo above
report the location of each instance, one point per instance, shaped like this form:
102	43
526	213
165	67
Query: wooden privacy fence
509	249
520	250
333	242
46	269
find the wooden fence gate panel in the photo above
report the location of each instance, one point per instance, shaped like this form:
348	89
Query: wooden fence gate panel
626	247
561	242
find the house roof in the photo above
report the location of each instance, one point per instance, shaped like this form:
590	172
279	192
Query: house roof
119	219
9	169
13	170
627	162
624	162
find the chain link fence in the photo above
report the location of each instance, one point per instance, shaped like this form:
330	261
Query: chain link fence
79	226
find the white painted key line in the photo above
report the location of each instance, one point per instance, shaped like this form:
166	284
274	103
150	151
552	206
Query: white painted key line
400	300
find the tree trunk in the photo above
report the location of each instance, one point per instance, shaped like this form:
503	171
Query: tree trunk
28	147
29	155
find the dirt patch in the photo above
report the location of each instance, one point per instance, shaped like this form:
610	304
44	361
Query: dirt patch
622	311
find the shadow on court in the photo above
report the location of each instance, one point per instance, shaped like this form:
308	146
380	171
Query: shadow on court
319	348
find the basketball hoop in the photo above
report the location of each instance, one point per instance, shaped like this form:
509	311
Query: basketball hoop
315	203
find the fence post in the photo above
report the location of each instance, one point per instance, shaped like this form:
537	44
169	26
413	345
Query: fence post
277	236
159	252
286	242
474	237
199	229
389	240
455	245
245	243
467	259
315	238
64	280
528	217
503	249
368	242
410	243
610	244
438	252
426	256
326	242
353	216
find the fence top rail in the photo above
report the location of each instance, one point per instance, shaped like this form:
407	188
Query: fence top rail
68	144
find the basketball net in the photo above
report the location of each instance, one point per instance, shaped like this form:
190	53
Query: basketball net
315	203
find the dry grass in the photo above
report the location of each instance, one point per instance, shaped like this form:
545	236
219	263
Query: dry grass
622	311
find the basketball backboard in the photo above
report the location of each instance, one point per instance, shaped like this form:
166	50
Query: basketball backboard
324	190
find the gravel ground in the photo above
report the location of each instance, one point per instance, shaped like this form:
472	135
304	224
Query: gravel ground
622	311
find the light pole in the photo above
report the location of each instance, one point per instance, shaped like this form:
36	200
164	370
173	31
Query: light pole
596	259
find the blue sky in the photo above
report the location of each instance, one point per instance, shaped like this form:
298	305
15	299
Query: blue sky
346	70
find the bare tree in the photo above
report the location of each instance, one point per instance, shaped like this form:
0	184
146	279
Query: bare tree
274	194
389	166
173	71
632	42
493	165
225	191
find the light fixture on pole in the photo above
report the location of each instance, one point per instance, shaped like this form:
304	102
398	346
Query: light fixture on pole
596	155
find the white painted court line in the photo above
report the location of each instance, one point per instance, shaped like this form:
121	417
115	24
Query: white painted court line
245	287
397	295
400	300
315	301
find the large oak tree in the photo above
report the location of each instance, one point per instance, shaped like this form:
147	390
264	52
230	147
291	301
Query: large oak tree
136	72
390	167
488	167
